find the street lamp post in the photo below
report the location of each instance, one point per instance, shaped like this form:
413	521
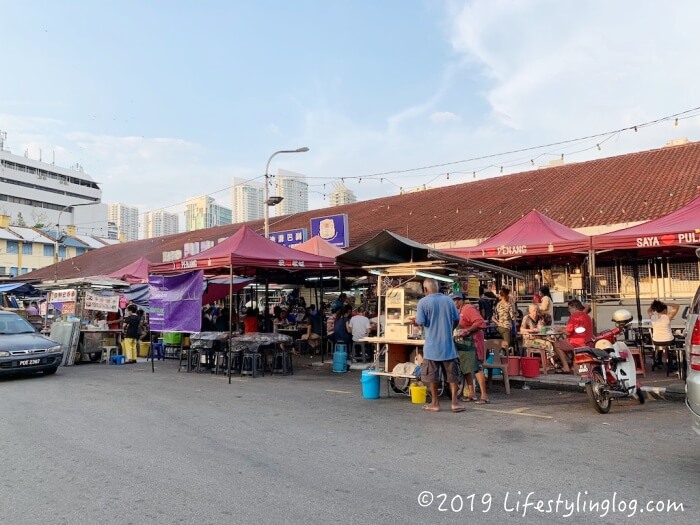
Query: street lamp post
271	201
58	235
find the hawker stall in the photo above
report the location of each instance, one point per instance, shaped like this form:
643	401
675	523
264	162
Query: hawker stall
400	266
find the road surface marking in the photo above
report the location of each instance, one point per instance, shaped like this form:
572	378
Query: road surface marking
514	412
339	391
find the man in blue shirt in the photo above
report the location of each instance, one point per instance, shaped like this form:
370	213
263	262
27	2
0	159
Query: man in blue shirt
438	317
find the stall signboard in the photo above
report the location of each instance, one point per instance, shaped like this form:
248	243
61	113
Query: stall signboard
63	296
68	308
103	303
175	303
289	238
332	228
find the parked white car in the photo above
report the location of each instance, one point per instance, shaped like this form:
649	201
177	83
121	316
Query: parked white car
692	354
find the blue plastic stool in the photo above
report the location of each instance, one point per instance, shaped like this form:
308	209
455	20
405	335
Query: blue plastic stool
156	351
117	359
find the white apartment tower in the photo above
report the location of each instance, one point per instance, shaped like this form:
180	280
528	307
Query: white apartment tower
126	219
159	223
246	201
341	195
295	192
203	212
37	193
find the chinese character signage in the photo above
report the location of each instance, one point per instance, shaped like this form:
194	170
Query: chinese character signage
332	228
63	296
289	238
103	303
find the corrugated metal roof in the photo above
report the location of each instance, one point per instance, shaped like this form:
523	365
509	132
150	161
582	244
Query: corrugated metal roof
7	235
31	234
92	242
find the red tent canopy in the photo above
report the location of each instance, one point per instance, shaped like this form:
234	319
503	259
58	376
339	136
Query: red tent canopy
136	272
534	234
319	246
246	252
680	228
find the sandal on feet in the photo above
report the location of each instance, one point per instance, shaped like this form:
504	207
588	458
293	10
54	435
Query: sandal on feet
431	408
466	399
482	402
458	409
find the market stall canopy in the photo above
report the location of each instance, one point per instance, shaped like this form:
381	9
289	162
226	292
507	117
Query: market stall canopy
136	272
246	252
388	248
679	228
220	287
20	289
99	282
318	246
533	234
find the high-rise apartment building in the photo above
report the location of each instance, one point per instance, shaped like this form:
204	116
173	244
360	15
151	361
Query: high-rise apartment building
203	212
246	201
294	190
36	193
158	223
127	220
341	195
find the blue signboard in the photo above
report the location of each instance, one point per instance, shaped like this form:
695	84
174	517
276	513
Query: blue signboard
289	238
332	228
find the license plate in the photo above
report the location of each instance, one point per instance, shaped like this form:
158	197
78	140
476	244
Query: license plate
29	362
582	369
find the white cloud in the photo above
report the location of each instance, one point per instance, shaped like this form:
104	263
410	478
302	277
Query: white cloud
444	116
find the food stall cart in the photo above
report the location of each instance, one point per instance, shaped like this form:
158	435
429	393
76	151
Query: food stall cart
86	302
400	266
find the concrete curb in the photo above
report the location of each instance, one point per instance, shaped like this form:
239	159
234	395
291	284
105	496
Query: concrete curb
673	392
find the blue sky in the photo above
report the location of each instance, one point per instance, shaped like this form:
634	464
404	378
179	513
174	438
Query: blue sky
161	100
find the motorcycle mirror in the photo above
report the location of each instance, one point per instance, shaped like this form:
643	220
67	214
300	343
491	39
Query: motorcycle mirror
579	329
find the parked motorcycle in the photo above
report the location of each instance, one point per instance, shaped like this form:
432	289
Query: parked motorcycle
607	366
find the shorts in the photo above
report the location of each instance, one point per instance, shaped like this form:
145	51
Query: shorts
505	334
467	361
450	369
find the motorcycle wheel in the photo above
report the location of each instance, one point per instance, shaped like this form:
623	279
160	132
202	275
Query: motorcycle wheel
600	401
641	396
400	385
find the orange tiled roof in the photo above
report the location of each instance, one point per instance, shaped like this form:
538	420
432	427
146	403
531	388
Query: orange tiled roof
626	188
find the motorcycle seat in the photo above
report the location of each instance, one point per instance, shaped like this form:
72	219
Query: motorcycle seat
600	354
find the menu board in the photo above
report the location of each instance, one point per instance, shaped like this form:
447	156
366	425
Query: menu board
103	303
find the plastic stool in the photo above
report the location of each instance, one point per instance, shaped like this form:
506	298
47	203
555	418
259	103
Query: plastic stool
117	359
107	353
542	354
358	356
251	364
282	362
636	354
156	351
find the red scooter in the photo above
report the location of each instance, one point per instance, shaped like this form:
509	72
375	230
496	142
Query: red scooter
607	366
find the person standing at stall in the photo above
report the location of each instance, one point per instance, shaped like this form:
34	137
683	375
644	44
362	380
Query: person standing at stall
471	332
504	316
437	314
131	333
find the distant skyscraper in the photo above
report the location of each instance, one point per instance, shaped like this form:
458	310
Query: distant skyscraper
295	192
126	218
246	201
203	212
158	223
341	195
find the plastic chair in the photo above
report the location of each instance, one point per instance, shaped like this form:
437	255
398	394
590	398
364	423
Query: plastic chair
107	353
282	362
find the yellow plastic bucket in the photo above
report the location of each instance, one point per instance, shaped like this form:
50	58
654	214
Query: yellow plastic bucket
419	393
144	347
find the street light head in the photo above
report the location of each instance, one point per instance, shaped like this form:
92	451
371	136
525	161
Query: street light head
274	201
302	150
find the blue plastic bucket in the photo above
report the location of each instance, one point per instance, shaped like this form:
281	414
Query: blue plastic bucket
370	385
340	358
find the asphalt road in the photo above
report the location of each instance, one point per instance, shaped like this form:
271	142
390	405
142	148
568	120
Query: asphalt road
97	444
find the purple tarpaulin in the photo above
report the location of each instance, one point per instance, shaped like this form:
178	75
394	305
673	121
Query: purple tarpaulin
175	303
